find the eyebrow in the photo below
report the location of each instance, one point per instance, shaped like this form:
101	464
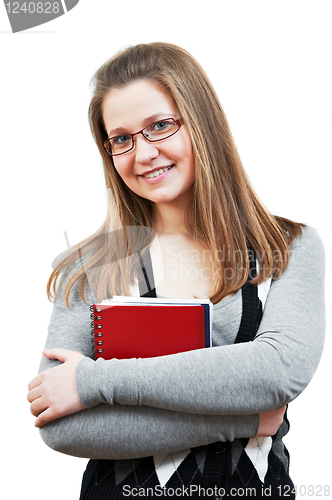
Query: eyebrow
147	121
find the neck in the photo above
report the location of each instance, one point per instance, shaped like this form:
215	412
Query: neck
170	219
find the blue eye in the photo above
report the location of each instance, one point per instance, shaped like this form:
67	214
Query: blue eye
161	126
160	129
121	140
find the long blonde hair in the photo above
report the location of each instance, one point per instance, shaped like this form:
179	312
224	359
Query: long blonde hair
226	211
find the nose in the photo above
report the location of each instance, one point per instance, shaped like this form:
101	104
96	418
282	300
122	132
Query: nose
145	151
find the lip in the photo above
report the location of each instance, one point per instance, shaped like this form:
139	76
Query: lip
153	180
154	169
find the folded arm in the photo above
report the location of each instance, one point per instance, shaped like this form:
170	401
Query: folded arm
120	431
194	397
238	379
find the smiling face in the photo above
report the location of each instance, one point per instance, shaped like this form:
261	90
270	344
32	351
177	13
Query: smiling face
162	172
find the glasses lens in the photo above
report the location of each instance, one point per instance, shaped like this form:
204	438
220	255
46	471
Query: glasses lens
160	130
119	145
155	132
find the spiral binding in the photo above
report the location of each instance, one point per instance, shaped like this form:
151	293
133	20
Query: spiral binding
94	333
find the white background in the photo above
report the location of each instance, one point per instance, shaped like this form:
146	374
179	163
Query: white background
270	63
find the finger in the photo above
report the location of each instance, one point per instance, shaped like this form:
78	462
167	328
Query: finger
34	394
35	382
45	417
57	353
38	406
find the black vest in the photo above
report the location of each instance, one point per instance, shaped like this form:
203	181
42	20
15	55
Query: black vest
99	478
218	461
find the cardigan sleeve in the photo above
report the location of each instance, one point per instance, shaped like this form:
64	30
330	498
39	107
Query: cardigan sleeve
240	379
123	432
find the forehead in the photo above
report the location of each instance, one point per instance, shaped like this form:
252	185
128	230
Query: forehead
129	107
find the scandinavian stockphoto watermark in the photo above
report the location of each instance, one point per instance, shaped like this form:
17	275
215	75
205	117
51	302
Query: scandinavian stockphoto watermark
133	249
216	492
23	15
174	260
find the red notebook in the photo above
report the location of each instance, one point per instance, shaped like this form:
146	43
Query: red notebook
143	330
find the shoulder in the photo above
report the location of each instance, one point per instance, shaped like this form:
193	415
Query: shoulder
76	259
309	244
70	273
306	259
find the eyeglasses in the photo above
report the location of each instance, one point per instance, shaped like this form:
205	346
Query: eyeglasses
157	131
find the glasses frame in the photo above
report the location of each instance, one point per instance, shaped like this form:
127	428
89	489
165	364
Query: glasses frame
178	122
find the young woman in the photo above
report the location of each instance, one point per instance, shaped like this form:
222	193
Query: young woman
208	422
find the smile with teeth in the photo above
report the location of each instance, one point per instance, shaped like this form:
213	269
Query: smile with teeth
157	172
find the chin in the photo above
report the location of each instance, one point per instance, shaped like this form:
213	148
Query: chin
163	200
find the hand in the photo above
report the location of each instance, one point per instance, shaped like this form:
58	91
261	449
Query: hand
53	393
270	421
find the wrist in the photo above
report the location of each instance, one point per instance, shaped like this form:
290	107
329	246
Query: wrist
85	383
